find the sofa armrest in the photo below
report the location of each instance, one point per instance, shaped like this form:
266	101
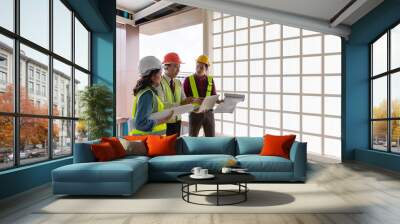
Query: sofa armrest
298	155
83	152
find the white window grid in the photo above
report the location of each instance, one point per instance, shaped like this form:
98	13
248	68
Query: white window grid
225	121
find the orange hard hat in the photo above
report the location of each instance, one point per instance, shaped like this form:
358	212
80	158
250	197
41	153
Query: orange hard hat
172	57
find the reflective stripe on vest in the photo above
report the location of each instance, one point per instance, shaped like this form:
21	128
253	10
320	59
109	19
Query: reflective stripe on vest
193	87
172	98
158	129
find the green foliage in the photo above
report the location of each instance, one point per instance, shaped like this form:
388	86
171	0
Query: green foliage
96	102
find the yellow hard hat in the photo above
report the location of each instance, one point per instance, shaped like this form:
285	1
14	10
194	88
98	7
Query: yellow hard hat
203	59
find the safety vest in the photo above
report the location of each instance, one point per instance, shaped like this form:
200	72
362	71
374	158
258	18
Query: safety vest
193	87
159	129
170	97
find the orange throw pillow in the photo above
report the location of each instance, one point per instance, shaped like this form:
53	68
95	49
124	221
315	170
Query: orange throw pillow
103	152
161	145
277	145
116	145
136	137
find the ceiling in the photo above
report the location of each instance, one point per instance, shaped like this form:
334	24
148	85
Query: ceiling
328	16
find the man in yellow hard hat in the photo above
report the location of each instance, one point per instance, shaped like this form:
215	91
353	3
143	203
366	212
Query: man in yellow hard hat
199	86
171	92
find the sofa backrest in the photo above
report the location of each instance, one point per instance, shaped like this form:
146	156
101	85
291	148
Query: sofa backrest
83	152
206	145
249	145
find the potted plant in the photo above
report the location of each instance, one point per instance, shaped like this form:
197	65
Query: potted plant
96	103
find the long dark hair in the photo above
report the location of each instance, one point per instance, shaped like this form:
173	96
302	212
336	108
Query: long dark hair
145	82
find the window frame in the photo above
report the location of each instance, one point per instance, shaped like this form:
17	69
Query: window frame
388	74
16	114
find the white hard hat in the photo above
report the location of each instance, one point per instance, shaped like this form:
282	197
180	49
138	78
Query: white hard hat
147	64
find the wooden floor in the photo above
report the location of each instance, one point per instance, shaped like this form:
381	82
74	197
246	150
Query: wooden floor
377	188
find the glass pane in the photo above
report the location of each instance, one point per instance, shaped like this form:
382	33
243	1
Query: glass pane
228	117
81	45
256	51
216	15
34	78
256	84
333	147
217	54
7	14
34	144
273	49
241	115
311	85
291	84
217	40
272	131
35	25
272	101
395	132
312	65
333	44
242	68
257	34
62	89
332	106
81	131
332	126
256	101
216	68
273	67
291	122
312	104
379	98
6	142
229	69
333	64
291	103
379	55
229	23
241	22
312	45
395	95
228	38
228	54
241	52
309	32
273	119
6	75
255	22
217	83
314	144
227	128
256	117
81	81
273	84
241	130
62	29
395	47
291	66
228	84
311	124
62	138
291	47
256	131
242	36
333	85
241	84
256	67
217	26
272	32
379	135
290	32
244	103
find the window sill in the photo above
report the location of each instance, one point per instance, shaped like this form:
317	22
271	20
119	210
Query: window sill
26	167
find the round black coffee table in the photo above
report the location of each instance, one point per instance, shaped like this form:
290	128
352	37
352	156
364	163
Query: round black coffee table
238	179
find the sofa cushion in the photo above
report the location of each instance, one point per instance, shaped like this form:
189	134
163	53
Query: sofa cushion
257	163
113	171
103	152
185	163
248	145
207	145
275	145
161	145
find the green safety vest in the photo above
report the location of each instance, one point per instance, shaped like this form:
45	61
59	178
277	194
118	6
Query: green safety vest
159	129
170	97
193	87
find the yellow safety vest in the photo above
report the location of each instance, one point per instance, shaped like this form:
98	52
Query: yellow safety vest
170	97
159	129
193	87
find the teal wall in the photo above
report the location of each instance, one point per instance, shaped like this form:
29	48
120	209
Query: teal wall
99	16
356	98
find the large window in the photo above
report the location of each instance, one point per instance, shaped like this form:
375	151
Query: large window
385	92
40	80
291	78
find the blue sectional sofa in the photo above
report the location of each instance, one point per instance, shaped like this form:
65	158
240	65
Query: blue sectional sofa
125	176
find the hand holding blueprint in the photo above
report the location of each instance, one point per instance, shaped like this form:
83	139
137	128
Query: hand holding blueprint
177	111
208	103
229	104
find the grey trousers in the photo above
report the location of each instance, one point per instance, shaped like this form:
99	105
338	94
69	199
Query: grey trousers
205	120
